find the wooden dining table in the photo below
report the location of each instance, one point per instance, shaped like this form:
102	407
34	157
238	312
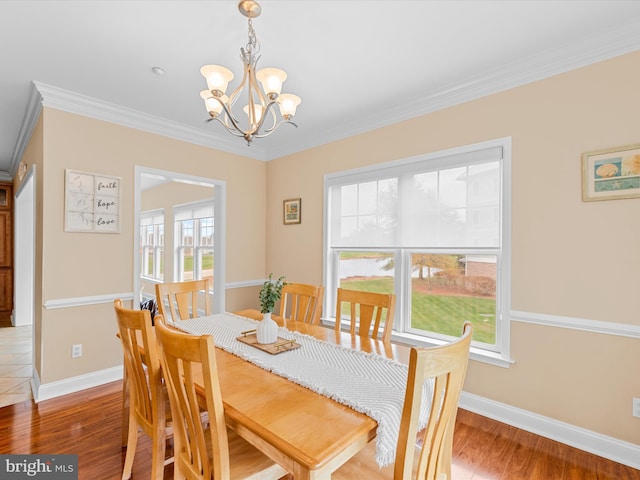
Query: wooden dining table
307	433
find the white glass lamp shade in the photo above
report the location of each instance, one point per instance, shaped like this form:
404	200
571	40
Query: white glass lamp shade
257	108
271	80
288	105
211	104
217	77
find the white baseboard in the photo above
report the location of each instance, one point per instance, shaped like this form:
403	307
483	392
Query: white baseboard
74	384
583	439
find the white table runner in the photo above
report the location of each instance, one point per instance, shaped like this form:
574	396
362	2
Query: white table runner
368	383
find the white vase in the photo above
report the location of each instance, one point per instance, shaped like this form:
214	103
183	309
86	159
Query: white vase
267	329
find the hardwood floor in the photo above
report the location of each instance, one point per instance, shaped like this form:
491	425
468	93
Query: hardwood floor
88	424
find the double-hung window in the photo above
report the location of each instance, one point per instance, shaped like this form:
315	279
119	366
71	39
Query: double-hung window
434	230
194	229
152	244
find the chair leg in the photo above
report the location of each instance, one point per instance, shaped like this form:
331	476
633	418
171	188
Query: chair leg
159	446
125	409
132	442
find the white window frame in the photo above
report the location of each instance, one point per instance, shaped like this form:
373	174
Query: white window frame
155	246
197	236
500	353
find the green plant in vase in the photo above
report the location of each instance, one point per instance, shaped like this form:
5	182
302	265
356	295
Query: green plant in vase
270	293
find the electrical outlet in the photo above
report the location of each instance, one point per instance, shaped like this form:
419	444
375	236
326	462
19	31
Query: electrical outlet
636	407
76	350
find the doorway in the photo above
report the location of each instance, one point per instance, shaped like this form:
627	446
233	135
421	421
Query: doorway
172	186
24	252
16	370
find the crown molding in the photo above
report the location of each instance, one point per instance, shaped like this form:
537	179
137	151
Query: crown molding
79	104
34	108
546	64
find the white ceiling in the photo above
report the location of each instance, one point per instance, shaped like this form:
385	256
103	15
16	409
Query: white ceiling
357	65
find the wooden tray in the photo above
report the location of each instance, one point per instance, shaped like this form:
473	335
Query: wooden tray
279	346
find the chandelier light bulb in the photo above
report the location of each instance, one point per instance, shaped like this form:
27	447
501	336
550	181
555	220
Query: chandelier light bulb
217	78
271	80
288	105
213	106
257	109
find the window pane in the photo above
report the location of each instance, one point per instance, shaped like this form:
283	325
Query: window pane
147	262
160	260
206	232
366	271
447	290
160	234
186	263
368	213
349	200
186	232
454	207
453	187
207	264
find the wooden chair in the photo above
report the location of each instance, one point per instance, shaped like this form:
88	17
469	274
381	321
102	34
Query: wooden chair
213	453
301	302
179	301
148	403
366	312
424	454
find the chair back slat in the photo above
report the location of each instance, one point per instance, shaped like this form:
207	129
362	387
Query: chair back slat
301	302
369	312
180	300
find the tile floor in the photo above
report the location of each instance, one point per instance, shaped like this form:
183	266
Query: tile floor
15	364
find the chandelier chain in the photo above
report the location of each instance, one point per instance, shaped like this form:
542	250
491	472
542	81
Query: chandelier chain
252	45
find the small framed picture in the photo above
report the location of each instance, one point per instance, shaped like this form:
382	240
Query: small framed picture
611	174
292	211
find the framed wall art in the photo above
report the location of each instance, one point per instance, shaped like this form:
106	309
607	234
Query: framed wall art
92	202
292	211
611	174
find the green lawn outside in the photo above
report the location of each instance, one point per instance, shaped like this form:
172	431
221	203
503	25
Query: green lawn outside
207	264
441	313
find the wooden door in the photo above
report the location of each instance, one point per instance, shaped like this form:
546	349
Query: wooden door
6	250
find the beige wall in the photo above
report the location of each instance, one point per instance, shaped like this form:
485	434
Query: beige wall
570	258
86	264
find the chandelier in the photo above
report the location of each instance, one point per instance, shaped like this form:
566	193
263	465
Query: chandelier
261	102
